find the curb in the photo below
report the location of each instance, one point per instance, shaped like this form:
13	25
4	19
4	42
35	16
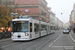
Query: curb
72	38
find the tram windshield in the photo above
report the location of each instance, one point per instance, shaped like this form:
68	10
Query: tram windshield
20	26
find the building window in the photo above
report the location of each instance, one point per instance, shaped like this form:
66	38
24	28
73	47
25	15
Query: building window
42	4
12	2
27	7
7	2
43	14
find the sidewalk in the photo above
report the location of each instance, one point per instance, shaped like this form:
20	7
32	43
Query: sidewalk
72	35
7	39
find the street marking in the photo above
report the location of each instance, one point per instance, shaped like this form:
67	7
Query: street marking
72	38
46	42
65	47
50	44
8	45
54	41
4	42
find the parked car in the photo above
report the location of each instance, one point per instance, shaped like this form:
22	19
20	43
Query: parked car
65	31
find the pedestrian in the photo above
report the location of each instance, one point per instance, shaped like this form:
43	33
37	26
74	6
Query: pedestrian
74	29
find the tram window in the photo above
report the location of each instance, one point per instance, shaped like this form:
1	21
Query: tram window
45	27
20	27
30	27
36	27
48	27
42	27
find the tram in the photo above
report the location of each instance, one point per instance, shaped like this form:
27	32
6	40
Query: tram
28	29
52	29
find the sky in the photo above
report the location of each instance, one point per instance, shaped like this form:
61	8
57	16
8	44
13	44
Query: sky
61	6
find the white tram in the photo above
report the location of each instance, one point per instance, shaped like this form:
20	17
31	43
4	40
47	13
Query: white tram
28	29
52	29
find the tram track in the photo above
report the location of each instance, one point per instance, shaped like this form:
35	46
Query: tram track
41	46
8	40
50	40
33	45
38	44
3	42
29	44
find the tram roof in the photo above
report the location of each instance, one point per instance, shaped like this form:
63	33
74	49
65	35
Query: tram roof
26	18
22	19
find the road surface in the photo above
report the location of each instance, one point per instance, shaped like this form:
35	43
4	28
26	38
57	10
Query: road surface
56	41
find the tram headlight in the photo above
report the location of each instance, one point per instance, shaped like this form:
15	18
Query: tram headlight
26	34
12	34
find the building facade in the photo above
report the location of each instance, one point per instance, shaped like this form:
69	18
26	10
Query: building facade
52	18
56	24
72	17
54	21
60	24
36	9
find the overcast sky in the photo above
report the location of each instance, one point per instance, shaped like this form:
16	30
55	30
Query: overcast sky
61	6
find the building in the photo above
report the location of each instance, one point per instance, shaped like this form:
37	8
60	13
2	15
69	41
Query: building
36	9
54	21
72	17
60	24
56	24
66	25
52	18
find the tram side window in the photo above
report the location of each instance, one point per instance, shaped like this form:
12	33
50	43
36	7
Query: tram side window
42	27
45	27
48	27
30	27
36	27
